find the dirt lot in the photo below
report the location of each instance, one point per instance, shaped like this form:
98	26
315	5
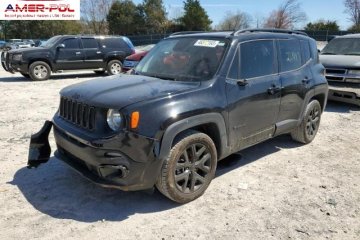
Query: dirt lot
277	190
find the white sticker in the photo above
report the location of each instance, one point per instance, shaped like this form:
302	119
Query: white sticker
206	43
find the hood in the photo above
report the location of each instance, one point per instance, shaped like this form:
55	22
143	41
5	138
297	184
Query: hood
137	56
122	90
340	61
29	50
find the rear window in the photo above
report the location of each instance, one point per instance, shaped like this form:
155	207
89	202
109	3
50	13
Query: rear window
257	59
290	55
114	43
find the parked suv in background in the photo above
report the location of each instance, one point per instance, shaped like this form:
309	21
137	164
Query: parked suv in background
193	100
341	58
69	53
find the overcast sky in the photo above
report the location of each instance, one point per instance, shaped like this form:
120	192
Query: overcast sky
216	9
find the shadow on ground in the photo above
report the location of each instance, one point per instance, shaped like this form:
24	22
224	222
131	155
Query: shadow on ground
19	78
56	190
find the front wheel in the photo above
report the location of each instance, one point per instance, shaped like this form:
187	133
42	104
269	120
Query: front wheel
39	71
307	130
189	168
114	67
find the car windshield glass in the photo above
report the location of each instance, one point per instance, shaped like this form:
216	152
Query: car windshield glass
50	42
184	59
342	46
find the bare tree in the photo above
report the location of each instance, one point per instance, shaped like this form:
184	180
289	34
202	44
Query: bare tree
286	16
352	8
94	13
235	21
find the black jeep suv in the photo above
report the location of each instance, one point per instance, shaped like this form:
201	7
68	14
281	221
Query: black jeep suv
192	101
69	53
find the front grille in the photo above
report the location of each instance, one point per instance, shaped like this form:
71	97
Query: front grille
77	113
335	71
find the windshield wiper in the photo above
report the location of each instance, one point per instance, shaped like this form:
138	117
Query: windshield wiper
328	53
154	75
353	54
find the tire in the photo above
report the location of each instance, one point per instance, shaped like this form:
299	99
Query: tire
100	72
307	130
25	75
177	179
114	67
39	71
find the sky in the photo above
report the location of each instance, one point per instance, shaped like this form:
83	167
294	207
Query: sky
216	9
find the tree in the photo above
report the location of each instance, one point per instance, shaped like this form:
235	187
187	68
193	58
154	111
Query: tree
121	18
286	16
234	21
322	25
195	17
352	8
155	16
94	13
39	29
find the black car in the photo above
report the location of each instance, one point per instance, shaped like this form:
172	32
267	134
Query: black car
341	59
192	101
69	53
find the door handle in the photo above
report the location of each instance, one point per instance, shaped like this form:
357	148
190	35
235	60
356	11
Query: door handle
77	53
273	89
98	52
306	80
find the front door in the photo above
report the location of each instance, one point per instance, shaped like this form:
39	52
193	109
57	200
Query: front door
253	92
70	55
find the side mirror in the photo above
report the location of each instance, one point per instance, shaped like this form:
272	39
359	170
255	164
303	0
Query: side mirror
60	46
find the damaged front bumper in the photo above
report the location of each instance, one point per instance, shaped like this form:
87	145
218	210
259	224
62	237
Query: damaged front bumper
40	150
125	161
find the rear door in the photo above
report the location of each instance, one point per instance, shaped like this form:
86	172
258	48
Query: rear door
94	57
253	91
71	56
295	77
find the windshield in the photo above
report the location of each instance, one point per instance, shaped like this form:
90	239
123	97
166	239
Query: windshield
49	43
342	46
184	59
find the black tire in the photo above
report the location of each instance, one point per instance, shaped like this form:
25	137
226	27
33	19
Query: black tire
100	72
39	71
114	67
307	130
25	75
192	161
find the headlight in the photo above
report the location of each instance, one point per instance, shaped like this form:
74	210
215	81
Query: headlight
114	119
17	57
354	72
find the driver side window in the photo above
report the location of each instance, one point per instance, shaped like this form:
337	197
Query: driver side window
72	43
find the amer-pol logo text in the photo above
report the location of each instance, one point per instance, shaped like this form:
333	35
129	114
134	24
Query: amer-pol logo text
39	9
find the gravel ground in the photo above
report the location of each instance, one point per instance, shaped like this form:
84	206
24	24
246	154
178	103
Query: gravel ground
276	190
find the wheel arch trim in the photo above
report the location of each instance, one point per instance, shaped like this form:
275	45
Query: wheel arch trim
208	118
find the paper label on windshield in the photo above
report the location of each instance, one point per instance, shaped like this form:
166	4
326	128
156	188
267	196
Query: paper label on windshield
206	43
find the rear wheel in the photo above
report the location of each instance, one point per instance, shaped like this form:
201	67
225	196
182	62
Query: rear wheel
114	67
39	71
307	130
189	168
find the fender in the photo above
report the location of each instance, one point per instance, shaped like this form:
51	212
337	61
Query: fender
120	55
184	124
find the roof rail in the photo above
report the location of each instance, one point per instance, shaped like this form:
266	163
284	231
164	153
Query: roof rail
274	30
186	32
